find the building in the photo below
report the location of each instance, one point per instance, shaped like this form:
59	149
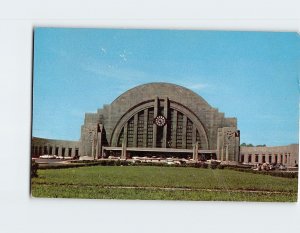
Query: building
286	155
163	120
155	119
64	148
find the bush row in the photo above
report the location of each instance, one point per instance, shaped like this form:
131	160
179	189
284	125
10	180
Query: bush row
128	163
34	168
271	173
62	166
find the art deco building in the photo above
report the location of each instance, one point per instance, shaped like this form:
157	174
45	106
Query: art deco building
155	119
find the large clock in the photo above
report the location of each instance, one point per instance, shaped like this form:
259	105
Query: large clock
160	121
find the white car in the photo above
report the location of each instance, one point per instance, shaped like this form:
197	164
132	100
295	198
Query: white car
170	162
47	157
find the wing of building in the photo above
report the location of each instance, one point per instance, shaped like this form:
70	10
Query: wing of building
286	155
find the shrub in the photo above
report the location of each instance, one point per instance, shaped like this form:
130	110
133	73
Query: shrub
220	166
111	162
34	168
103	162
214	164
125	163
117	163
198	165
204	165
271	173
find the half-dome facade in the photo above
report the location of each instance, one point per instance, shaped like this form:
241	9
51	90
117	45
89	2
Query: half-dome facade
160	119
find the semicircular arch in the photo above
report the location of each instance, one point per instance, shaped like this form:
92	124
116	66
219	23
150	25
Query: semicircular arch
150	104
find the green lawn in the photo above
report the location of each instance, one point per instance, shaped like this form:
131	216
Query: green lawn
116	182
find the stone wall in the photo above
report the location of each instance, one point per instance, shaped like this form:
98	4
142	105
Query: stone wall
228	144
287	155
43	146
110	115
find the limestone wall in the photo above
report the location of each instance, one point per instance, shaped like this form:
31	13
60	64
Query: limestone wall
43	146
109	115
287	155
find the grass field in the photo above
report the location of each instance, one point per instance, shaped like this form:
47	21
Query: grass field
162	183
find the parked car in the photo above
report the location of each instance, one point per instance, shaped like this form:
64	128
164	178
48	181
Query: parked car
170	161
282	167
47	157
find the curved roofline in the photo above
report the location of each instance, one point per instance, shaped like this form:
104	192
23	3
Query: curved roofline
163	83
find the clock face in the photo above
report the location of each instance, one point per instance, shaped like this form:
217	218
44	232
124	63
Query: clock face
160	121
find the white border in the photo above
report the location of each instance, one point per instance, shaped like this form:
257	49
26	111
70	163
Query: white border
20	213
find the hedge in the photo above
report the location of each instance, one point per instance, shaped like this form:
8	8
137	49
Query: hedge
284	174
34	168
213	165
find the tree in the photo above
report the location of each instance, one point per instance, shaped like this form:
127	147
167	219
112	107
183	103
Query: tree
251	145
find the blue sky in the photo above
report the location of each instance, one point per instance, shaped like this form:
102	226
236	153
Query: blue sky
253	76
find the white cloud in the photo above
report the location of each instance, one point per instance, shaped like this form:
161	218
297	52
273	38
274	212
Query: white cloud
123	56
131	77
115	72
103	50
196	86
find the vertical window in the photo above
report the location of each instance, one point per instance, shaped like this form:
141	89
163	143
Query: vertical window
285	158
45	150
70	152
63	150
150	127
256	158
140	129
170	135
130	132
250	158
121	137
56	150
159	136
179	130
189	134
36	151
40	150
